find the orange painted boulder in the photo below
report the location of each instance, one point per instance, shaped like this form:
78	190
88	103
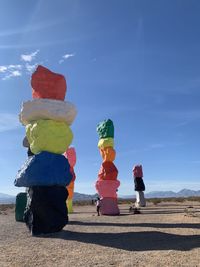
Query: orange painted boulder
108	171
47	84
73	173
108	153
70	189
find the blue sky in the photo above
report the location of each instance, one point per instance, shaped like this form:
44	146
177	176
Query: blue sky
135	62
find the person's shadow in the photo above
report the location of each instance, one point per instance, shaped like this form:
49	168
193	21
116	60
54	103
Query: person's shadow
134	241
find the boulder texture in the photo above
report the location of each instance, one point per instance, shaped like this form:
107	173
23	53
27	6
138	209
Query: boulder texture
47	84
108	153
105	129
47	109
108	171
49	135
44	169
106	142
46	210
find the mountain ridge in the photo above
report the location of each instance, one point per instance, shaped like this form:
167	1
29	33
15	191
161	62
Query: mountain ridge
10	199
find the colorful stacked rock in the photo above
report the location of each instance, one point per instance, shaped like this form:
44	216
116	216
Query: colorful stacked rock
47	173
70	154
107	183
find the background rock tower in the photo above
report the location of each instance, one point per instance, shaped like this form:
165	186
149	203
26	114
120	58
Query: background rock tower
107	183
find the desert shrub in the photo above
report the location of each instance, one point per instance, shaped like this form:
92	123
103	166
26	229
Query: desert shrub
194	198
4	207
155	201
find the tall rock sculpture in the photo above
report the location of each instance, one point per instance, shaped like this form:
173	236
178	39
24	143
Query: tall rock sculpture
107	183
46	174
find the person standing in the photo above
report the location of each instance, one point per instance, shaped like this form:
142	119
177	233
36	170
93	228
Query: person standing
98	205
139	188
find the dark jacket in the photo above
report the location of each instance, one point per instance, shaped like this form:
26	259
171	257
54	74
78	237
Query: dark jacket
139	184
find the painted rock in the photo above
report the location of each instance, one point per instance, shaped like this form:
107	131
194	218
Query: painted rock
47	84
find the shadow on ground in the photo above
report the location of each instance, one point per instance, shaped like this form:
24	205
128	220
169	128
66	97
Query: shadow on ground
134	241
154	225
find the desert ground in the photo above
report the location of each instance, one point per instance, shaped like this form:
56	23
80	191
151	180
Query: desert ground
166	234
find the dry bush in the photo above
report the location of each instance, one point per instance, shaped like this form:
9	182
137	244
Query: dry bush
4	207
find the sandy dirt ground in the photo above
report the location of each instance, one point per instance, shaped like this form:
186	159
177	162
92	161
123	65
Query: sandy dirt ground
167	234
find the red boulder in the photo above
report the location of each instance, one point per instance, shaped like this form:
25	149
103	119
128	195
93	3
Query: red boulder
47	84
108	171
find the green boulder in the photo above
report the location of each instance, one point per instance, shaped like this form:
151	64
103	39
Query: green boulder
105	129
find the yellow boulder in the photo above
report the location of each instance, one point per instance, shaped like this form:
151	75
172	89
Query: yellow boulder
105	142
49	135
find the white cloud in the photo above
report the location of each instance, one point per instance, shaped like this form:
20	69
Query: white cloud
30	68
11	71
16	70
18	67
3	68
8	122
66	56
29	57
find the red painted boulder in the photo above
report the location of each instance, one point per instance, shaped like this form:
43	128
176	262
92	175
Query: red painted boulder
47	84
108	171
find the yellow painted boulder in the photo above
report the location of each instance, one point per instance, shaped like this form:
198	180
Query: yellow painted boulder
49	135
70	205
105	142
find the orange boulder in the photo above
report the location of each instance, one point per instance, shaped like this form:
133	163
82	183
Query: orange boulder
108	153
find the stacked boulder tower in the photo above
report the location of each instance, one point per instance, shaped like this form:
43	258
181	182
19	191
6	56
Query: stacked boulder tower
107	183
47	172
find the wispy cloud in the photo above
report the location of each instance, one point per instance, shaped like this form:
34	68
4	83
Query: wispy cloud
29	57
14	73
30	68
3	69
66	56
17	70
8	122
9	71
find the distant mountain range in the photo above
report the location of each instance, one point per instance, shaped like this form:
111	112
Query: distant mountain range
6	199
166	194
9	199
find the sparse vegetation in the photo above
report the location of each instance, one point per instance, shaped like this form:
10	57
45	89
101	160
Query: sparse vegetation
156	201
4	207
